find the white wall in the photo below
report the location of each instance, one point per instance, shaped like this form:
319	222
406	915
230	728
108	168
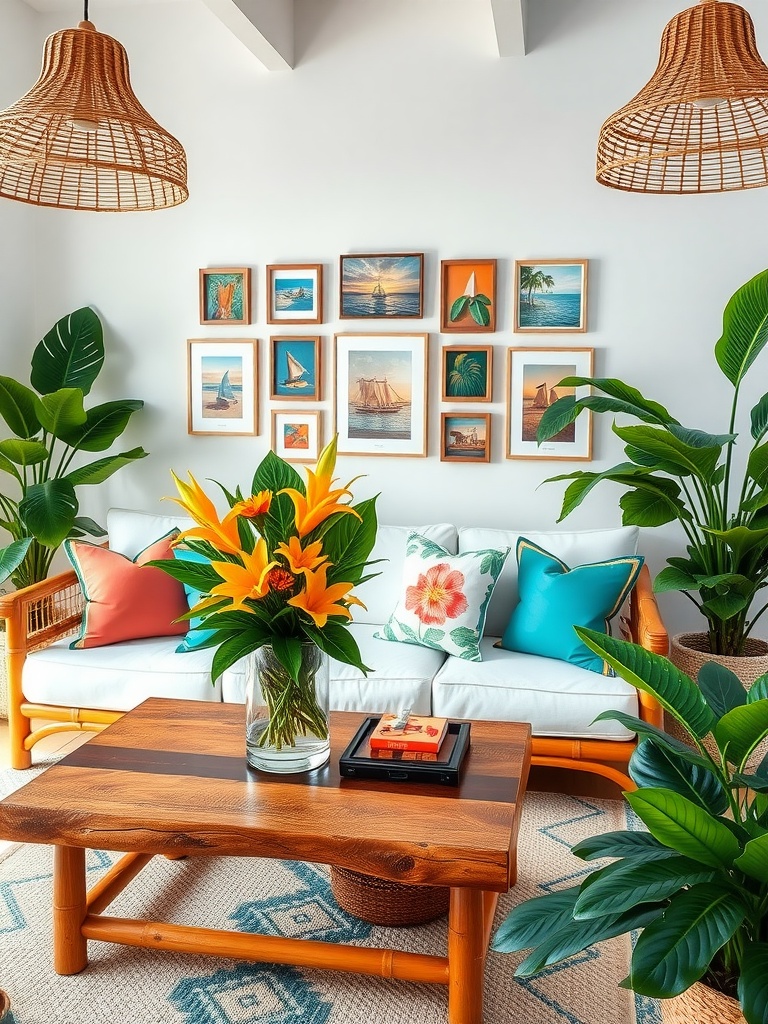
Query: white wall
401	130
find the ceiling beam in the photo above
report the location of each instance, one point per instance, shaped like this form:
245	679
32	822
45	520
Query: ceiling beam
264	26
509	17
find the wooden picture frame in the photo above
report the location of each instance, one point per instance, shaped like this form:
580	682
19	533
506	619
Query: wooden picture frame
465	437
550	296
295	293
222	386
295	370
532	385
467	373
475	282
381	286
380	394
225	295
296	436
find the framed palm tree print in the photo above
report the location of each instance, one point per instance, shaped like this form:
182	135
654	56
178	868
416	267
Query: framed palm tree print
551	296
467	373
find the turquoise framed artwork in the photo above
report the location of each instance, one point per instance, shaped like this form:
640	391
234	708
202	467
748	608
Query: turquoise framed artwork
225	295
295	371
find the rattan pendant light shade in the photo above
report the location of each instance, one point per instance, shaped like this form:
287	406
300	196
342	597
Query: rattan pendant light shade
81	140
701	123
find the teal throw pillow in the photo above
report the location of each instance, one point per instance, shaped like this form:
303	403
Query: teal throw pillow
554	598
444	598
195	636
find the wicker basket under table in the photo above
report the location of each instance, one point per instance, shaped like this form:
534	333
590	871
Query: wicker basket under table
379	901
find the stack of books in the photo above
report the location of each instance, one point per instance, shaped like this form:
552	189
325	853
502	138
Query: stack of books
419	739
419	749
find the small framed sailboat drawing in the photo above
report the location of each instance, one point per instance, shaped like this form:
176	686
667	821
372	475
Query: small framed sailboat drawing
225	295
296	437
222	386
295	293
535	381
465	438
468	296
294	369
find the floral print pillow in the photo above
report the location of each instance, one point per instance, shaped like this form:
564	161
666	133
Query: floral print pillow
445	598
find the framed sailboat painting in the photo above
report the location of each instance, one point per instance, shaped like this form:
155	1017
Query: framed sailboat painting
381	286
222	386
534	378
294	369
381	394
295	293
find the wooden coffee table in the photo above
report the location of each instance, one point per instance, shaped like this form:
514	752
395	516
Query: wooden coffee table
171	778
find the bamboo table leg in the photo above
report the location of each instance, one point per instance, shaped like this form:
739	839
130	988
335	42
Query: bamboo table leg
70	947
466	956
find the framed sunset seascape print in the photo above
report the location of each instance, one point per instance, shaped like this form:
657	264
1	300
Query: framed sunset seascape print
295	293
551	295
225	295
465	438
294	369
380	395
296	436
222	386
467	373
468	296
381	286
533	384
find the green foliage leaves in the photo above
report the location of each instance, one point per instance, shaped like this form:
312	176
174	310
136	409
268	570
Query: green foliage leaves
684	826
745	328
70	355
18	407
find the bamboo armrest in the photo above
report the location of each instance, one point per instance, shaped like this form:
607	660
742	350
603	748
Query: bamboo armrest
43	612
645	623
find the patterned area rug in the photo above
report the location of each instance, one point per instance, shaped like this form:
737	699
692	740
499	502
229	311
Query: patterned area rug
294	899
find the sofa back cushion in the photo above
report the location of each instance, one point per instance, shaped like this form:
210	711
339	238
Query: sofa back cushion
574	548
130	532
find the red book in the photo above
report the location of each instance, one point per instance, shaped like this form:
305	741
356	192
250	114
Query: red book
418	733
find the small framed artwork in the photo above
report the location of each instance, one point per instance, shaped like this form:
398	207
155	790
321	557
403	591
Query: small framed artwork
225	295
294	369
465	438
296	436
381	394
381	287
551	295
468	296
295	293
467	373
533	384
222	386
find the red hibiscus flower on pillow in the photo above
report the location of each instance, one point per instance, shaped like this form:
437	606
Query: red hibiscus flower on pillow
437	595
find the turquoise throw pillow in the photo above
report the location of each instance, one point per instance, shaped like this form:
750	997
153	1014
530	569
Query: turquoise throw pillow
554	598
195	636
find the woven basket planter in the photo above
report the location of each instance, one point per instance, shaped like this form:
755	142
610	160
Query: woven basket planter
379	901
701	1004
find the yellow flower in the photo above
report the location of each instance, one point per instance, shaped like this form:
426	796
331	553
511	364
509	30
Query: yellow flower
194	500
246	581
319	600
320	501
256	505
300	560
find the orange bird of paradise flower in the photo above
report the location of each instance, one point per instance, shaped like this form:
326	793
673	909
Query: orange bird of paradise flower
222	533
246	581
319	600
320	501
301	559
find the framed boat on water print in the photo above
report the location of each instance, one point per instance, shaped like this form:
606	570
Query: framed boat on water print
222	386
295	293
380	395
468	296
294	369
381	286
465	438
296	436
467	373
551	295
533	384
225	295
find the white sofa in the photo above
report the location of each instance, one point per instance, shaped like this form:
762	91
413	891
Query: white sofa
88	688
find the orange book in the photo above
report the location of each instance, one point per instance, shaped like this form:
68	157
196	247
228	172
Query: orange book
418	733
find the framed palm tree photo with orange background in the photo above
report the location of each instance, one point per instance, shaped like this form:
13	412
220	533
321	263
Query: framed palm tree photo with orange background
225	295
468	296
551	295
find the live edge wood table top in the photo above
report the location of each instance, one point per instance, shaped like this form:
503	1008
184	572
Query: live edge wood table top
171	777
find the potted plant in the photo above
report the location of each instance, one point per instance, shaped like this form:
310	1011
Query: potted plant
677	473
696	882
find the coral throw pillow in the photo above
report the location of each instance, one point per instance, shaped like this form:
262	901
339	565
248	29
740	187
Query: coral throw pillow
445	598
126	599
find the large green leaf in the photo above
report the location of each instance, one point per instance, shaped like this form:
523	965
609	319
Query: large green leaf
759	418
273	474
662	739
349	541
535	920
684	826
100	470
48	510
753	983
668	453
674	578
233	648
632	401
739	732
676	949
640	508
721	688
745	328
12	556
103	425
757	465
740	539
754	860
18	407
199	575
700	438
61	411
23	453
70	355
557	417
624	885
655	675
758	690
641	845
654	766
337	640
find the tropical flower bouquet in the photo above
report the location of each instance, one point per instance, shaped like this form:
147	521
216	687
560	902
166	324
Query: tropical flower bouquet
276	575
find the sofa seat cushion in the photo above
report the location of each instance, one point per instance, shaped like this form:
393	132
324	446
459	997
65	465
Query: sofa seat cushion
117	677
401	676
557	698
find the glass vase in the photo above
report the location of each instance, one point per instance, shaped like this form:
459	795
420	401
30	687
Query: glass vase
286	721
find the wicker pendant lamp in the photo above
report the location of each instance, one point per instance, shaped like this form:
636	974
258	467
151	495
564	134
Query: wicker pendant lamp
701	123
80	140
